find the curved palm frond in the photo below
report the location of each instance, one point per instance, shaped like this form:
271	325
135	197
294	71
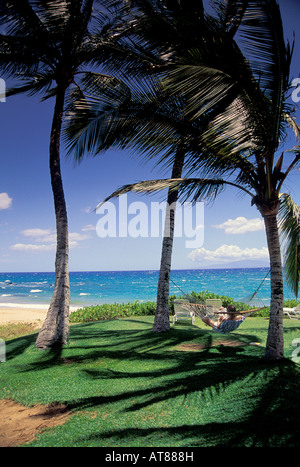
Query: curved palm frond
291	121
263	44
289	223
195	189
230	14
257	72
295	162
55	37
112	114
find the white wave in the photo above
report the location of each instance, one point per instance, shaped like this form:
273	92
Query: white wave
6	295
35	290
84	294
24	305
32	306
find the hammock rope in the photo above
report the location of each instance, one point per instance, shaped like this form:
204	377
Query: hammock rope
250	298
191	299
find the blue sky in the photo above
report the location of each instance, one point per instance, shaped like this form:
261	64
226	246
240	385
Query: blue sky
27	222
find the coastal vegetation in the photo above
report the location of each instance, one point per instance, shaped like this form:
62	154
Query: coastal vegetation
122	310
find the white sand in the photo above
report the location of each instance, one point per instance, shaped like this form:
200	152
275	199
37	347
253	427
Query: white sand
10	313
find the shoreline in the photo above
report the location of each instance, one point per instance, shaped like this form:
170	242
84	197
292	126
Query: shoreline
28	313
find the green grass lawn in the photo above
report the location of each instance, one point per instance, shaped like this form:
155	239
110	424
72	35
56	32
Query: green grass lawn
127	386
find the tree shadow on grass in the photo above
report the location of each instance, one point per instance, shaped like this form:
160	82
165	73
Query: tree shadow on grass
90	342
239	434
147	369
165	384
16	347
180	373
272	421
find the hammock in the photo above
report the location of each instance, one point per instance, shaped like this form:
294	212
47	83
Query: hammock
201	310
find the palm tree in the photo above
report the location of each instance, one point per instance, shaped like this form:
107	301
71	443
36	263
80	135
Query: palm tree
164	33
44	47
246	141
261	168
126	123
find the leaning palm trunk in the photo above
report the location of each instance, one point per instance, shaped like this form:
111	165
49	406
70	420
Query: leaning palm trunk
162	321
55	330
274	346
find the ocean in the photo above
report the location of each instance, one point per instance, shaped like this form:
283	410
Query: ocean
90	288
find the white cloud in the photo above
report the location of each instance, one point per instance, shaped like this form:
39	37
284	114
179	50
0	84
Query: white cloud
241	225
38	246
32	247
228	253
88	227
36	232
77	237
5	201
46	240
40	235
46	235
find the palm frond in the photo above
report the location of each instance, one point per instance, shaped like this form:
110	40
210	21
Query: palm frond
39	83
193	189
289	223
201	86
141	118
291	121
256	72
263	44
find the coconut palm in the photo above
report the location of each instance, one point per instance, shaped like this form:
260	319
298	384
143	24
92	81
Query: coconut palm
150	124
263	166
246	141
44	46
149	121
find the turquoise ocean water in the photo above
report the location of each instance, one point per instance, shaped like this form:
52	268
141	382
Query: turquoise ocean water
23	289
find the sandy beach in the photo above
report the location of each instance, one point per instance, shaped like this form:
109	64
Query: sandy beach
25	313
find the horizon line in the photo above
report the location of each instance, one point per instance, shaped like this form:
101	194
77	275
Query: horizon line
137	270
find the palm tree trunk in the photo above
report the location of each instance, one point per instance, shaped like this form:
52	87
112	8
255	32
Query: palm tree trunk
274	346
162	321
55	329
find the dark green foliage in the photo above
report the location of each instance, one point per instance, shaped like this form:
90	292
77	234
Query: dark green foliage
200	297
112	311
124	310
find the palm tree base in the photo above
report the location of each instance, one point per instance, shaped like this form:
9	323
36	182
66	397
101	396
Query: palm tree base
161	323
55	330
274	346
